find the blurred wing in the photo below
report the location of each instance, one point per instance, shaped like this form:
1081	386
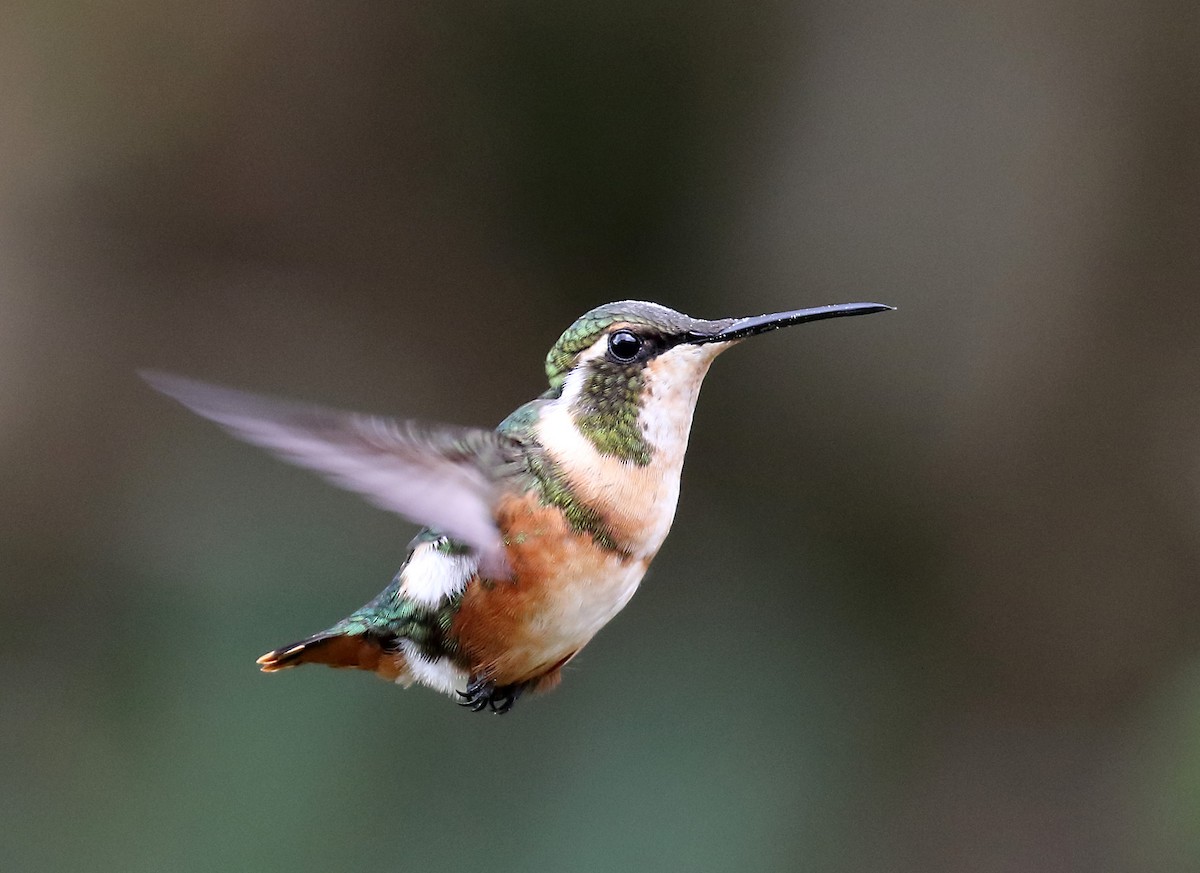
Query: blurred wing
440	477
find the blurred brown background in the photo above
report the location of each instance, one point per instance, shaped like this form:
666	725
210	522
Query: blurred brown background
931	599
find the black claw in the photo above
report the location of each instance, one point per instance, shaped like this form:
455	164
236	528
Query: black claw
482	694
504	698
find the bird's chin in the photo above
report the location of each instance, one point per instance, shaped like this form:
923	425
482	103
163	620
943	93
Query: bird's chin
699	353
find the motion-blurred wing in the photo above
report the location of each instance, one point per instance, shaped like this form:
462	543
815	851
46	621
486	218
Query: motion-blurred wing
440	477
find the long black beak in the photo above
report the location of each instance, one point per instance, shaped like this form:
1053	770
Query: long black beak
740	328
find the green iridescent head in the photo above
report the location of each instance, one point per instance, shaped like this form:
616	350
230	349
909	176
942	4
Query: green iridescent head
612	358
650	318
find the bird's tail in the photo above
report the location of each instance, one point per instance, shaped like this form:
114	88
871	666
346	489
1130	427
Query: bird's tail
358	651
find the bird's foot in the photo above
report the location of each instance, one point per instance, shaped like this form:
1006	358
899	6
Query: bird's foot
484	694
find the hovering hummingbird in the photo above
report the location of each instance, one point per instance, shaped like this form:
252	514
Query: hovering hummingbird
538	532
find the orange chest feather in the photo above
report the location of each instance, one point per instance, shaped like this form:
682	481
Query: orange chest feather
564	589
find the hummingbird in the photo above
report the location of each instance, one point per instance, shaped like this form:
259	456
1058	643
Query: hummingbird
535	534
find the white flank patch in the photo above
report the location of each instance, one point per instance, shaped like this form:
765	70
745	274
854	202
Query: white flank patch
432	576
436	673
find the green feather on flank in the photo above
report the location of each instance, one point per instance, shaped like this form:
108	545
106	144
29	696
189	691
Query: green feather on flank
544	475
393	615
547	479
554	492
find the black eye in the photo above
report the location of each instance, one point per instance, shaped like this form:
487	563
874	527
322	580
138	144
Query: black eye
624	345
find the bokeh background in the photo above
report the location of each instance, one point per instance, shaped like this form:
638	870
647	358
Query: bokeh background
931	602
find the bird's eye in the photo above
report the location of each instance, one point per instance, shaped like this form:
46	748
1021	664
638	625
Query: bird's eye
624	345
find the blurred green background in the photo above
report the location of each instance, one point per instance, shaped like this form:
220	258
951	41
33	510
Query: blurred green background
931	601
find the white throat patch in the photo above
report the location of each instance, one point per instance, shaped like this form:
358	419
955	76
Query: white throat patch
644	496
